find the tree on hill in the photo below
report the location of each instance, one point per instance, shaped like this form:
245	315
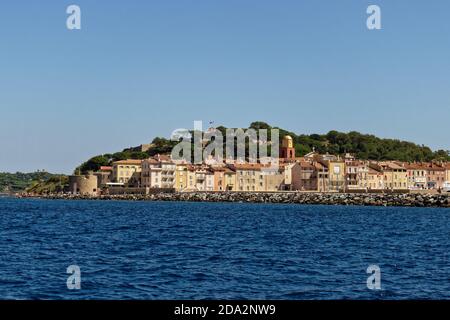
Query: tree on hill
363	146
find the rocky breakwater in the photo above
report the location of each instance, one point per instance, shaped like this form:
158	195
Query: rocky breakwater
365	199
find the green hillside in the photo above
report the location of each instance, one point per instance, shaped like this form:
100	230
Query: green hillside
17	182
364	146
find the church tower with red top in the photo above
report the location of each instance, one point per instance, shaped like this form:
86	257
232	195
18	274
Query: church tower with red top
287	148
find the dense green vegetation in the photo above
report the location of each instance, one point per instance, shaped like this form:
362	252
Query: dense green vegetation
56	183
158	146
363	146
17	182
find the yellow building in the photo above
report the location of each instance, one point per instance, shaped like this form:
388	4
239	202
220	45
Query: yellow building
336	174
127	171
197	178
181	177
274	180
191	178
394	176
375	178
447	172
249	177
230	179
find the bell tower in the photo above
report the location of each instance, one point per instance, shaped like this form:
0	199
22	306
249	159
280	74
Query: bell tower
287	148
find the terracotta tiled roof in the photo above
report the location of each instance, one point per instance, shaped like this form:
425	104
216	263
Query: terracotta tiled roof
306	165
355	163
129	162
229	170
321	167
247	166
162	157
417	166
151	161
391	165
436	167
374	171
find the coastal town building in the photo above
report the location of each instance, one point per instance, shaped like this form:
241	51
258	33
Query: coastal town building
321	174
127	172
313	172
417	175
304	177
209	180
85	185
158	172
394	175
103	176
273	178
286	170
181	177
375	178
356	174
168	175
336	170
447	173
219	178
150	173
191	179
199	178
249	177
435	176
230	179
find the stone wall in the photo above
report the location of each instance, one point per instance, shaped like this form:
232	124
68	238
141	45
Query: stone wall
83	185
405	200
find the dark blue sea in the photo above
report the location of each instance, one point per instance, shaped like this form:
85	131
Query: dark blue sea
172	250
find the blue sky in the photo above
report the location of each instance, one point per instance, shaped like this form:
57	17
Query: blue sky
140	69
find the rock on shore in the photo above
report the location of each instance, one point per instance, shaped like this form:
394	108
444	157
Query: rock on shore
365	199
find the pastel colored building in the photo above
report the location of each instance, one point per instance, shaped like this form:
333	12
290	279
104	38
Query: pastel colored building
219	178
181	177
151	174
249	177
417	176
447	172
322	176
435	176
230	179
158	172
209	180
127	172
273	178
356	175
191	178
304	176
375	178
104	176
336	171
199	178
394	175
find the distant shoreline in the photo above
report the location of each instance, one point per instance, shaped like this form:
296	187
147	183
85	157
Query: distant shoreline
362	199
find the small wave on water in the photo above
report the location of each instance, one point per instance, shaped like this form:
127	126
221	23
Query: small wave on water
170	250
